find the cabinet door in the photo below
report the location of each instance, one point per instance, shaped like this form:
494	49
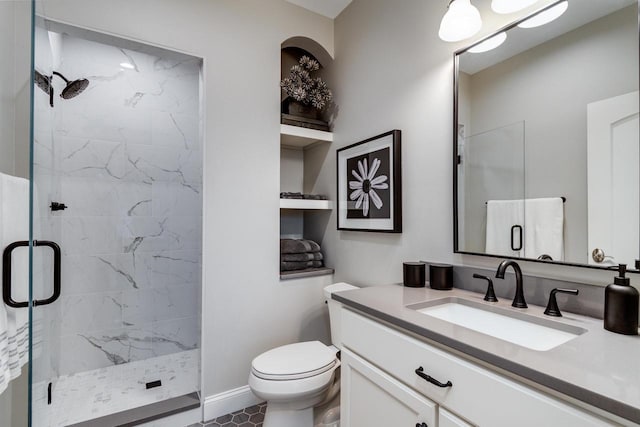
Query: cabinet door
371	398
447	419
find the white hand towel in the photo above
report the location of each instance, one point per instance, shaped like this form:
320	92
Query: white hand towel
543	230
14	323
502	215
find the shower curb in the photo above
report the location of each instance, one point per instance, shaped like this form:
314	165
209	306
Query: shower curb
145	414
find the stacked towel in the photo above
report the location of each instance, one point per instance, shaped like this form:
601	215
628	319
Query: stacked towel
300	254
14	323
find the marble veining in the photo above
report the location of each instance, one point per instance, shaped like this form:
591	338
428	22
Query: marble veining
125	156
104	391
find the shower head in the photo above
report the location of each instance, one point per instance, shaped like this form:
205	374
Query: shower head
73	88
42	81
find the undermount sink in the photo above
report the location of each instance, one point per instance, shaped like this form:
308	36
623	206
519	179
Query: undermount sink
517	328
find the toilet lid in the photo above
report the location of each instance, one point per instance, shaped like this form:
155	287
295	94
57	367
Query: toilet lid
294	361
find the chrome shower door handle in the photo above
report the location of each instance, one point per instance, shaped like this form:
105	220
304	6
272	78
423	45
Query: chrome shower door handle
6	273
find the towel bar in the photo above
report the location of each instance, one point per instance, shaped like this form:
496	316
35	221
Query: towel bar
564	200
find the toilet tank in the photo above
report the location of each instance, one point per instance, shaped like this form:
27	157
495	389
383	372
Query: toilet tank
334	310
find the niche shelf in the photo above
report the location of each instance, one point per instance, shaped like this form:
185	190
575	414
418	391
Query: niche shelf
304	204
299	137
301	274
303	151
294	142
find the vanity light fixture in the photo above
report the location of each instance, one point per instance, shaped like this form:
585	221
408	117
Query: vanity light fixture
510	6
489	44
461	21
545	16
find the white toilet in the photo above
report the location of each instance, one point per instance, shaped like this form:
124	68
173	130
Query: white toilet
295	378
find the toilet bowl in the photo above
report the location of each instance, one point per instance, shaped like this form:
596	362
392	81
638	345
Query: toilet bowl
295	378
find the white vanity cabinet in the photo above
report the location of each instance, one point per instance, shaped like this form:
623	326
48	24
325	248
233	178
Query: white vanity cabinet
370	397
447	419
379	376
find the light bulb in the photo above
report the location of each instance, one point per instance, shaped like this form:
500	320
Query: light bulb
461	21
490	43
546	16
510	6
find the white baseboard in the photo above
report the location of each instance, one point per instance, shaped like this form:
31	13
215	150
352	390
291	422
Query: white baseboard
228	401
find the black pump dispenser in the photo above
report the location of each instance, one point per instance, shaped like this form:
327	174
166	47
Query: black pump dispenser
621	305
621	279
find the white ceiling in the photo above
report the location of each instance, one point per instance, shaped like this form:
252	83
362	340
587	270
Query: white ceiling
328	8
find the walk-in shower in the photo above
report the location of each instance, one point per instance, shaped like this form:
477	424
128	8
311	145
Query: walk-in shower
116	189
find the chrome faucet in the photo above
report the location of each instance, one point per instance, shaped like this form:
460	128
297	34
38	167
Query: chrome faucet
518	299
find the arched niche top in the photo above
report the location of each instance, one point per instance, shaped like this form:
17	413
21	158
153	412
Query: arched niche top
311	46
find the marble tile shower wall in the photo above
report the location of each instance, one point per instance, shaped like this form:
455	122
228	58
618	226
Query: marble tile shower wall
125	156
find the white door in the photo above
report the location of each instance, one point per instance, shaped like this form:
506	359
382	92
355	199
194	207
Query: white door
613	179
371	398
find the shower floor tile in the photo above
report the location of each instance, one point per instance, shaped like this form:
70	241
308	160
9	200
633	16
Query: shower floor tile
92	394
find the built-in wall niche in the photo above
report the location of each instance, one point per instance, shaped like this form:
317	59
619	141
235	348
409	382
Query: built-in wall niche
304	147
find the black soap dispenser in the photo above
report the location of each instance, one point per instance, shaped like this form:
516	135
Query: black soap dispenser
621	305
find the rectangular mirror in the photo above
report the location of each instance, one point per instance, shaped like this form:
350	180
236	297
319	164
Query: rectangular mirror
546	153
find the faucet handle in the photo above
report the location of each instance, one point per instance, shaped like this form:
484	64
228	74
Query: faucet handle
552	306
490	295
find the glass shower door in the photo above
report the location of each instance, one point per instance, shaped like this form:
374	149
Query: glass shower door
492	174
117	185
46	255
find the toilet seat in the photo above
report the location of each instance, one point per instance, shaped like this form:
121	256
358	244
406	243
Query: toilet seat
294	362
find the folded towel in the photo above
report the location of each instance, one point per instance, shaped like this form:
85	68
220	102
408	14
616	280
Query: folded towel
292	266
288	195
309	256
298	246
294	246
314	246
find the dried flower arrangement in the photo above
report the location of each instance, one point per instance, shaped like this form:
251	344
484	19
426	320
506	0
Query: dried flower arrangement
302	87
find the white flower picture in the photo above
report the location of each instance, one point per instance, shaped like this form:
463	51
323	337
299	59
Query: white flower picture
370	184
365	186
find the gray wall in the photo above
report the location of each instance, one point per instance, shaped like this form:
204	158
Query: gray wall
593	62
7	98
14	149
14	87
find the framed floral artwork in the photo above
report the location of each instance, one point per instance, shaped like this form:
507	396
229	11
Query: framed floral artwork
370	184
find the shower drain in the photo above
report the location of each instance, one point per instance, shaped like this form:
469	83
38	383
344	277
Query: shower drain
153	384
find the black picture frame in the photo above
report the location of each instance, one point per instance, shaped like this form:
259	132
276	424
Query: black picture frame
369	184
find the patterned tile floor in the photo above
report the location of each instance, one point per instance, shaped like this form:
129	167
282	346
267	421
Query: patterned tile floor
87	395
247	417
